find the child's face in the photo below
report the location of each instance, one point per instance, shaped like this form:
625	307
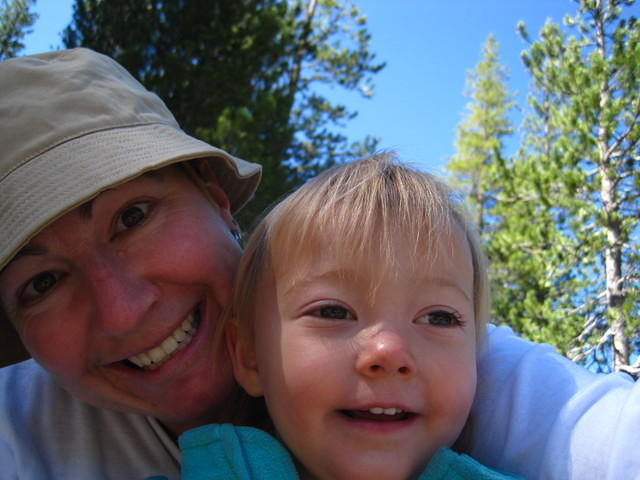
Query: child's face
360	385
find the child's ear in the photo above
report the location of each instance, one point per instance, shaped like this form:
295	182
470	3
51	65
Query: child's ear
243	358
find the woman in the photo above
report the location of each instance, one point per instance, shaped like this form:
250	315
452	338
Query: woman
115	279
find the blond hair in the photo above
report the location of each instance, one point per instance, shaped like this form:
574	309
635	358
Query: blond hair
364	206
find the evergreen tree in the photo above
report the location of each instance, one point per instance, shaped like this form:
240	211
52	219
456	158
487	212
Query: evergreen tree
479	140
532	255
567	239
242	75
15	20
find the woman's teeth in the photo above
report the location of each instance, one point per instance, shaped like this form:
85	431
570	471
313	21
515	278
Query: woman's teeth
180	338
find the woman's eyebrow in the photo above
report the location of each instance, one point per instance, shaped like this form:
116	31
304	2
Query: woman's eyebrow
31	251
86	210
26	251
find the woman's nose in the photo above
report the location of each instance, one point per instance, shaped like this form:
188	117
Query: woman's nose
121	295
385	353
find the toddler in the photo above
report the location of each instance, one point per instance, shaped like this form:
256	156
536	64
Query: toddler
360	306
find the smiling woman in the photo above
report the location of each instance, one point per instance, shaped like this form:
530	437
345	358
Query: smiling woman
114	279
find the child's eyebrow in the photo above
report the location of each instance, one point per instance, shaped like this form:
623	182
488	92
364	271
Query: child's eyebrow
445	282
301	281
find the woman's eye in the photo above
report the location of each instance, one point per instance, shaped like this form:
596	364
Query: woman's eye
39	285
440	318
132	215
333	312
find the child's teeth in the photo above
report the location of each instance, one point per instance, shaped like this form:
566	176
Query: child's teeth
385	411
391	411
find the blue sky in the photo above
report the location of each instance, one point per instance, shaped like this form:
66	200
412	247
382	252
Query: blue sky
428	45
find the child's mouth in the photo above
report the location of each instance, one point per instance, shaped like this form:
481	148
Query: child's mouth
177	341
378	414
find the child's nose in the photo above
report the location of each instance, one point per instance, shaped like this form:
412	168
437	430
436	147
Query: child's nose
385	353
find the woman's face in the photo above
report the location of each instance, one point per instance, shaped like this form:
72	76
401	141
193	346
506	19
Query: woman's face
140	275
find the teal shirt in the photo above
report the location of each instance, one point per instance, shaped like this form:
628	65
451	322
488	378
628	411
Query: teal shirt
224	452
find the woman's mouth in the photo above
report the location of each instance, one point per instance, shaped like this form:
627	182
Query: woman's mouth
178	340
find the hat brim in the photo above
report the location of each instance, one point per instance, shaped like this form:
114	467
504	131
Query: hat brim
78	169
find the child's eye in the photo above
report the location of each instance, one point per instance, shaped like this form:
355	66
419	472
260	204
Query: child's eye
440	318
39	285
332	312
132	215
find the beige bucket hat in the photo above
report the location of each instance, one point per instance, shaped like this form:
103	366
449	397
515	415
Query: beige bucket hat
75	123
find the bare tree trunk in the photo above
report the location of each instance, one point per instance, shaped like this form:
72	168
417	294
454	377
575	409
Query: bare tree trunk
477	195
303	45
613	269
611	206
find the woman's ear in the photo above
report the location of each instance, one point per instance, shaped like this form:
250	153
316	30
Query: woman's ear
212	185
211	188
243	358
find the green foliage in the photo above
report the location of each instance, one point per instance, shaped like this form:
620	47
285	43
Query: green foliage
15	20
481	133
241	75
563	230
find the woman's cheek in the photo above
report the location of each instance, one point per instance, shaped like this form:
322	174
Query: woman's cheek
60	347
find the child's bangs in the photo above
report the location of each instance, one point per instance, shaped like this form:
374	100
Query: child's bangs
360	214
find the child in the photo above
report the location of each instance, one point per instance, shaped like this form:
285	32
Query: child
369	300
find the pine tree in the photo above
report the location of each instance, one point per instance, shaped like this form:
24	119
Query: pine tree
570	219
15	19
479	140
532	254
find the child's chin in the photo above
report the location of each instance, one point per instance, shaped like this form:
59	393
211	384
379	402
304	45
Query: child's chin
389	470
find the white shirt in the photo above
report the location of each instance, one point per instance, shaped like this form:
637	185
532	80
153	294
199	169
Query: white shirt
45	433
541	416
